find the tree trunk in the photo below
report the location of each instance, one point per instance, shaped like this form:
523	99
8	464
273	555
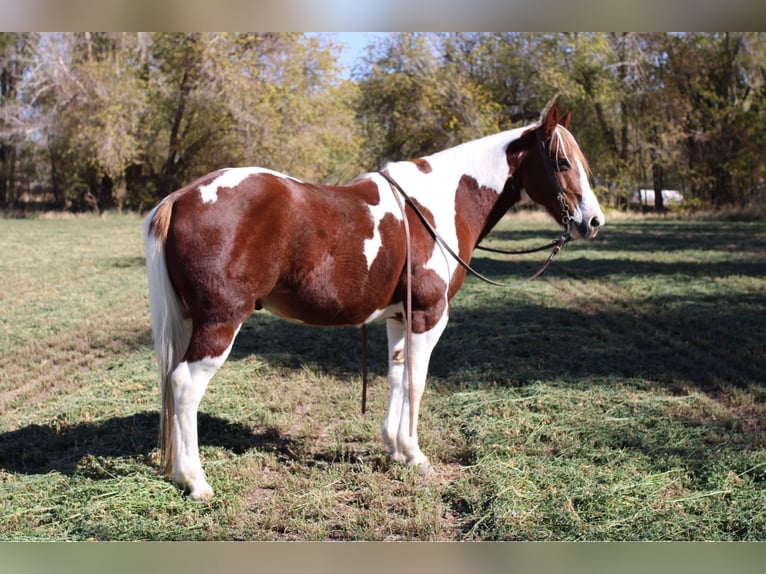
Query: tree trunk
657	174
7	173
174	162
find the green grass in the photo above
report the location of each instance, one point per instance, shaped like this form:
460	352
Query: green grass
620	397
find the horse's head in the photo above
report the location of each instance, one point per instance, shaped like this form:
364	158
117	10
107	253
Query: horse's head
554	172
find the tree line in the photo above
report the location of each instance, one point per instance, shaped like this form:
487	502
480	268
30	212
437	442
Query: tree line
118	120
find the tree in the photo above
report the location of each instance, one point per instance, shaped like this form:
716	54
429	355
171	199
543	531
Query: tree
289	109
121	119
255	99
722	77
16	51
112	101
79	102
416	100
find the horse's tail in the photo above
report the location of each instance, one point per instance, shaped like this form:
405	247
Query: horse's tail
171	330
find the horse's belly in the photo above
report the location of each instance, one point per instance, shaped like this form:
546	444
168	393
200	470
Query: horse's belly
327	312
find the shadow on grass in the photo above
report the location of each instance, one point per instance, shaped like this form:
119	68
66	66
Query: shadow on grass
708	343
334	350
705	339
652	236
39	449
574	262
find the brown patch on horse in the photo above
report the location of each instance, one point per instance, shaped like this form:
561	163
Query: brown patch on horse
208	253
518	149
472	204
422	165
527	162
223	261
428	288
325	279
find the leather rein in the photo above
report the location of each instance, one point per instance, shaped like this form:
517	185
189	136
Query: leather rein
556	246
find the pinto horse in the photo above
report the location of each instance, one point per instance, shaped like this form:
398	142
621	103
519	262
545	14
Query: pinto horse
242	239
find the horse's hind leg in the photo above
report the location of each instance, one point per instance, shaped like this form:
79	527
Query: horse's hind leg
209	347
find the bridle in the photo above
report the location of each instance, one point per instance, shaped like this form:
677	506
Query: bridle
556	245
566	219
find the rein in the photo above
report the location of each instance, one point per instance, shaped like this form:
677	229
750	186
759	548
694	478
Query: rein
408	311
556	245
517	251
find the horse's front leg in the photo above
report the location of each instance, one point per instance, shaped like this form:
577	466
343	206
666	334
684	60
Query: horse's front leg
401	446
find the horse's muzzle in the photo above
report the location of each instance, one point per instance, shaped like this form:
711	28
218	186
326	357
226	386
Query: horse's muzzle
588	228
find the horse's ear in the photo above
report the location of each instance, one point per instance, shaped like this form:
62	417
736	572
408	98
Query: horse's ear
552	118
566	119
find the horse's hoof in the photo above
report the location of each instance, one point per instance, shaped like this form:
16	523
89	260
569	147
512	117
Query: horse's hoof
201	494
425	469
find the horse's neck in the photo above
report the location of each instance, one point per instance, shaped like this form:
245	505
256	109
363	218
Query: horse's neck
509	197
483	159
486	162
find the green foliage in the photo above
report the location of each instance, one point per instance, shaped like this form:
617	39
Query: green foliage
414	102
127	118
121	119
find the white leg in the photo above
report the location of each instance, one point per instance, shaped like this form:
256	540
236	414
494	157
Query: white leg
190	382
396	428
396	339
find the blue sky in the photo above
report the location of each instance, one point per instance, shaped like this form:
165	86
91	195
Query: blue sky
355	45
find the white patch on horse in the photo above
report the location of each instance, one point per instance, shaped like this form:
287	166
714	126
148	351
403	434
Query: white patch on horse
589	207
384	206
372	245
588	199
386	313
443	212
232	177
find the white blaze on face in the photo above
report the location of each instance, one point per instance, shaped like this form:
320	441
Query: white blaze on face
232	177
589	208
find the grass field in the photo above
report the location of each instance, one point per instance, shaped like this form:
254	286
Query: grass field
620	397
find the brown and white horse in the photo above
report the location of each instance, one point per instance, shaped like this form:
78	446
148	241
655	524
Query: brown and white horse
243	239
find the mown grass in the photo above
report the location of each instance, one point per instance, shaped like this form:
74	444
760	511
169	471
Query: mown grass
621	397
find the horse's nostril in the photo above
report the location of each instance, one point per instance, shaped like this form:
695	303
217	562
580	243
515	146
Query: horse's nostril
595	222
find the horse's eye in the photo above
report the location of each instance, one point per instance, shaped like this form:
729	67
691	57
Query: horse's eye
563	164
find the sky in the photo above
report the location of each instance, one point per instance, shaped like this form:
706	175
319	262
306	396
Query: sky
355	45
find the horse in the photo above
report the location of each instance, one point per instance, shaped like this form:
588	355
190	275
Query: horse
249	238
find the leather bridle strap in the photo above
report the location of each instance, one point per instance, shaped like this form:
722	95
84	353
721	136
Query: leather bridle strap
408	310
364	368
518	251
556	244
